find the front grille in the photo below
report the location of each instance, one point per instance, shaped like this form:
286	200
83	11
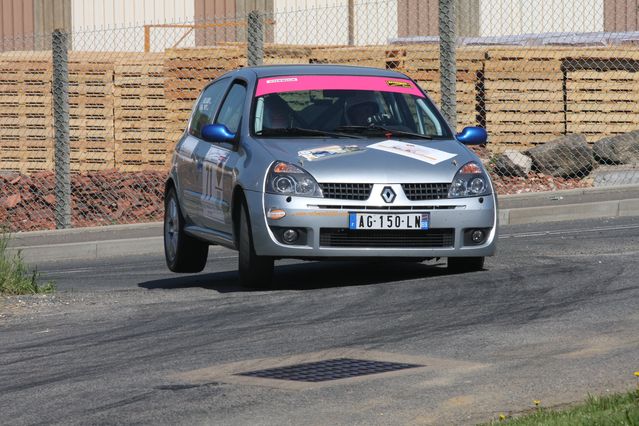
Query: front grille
343	237
426	191
346	191
418	207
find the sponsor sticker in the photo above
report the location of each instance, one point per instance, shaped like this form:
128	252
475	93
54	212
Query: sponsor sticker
281	80
328	151
205	104
417	152
395	83
212	198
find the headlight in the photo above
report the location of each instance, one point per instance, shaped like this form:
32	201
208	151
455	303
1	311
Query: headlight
288	179
470	181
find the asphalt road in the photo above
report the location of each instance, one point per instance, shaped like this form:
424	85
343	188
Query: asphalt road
553	317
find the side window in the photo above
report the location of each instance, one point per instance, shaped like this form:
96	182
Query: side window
427	119
203	113
231	109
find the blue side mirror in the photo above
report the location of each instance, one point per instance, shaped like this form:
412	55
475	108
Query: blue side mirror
473	136
217	133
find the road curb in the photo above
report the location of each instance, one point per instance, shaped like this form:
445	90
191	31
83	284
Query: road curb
143	239
96	250
601	209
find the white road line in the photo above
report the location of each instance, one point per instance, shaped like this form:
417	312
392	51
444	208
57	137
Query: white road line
568	231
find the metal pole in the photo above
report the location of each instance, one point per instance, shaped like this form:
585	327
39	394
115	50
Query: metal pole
447	65
61	124
351	22
255	45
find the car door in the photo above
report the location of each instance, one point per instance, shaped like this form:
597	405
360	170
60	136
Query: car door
219	162
192	149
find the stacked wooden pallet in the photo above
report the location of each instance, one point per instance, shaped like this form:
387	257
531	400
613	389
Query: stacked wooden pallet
602	92
277	54
140	111
91	126
421	63
523	96
366	56
187	71
26	122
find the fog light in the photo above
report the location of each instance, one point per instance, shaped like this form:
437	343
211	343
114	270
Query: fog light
290	236
477	236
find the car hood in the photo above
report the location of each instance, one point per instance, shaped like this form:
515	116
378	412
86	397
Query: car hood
362	161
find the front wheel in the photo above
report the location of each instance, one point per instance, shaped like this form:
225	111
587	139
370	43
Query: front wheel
465	264
183	253
255	271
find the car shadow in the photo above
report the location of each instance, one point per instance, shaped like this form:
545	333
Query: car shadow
308	276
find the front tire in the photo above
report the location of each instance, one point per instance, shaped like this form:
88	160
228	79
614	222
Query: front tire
182	252
465	264
255	271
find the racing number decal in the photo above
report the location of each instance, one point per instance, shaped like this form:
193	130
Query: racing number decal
213	183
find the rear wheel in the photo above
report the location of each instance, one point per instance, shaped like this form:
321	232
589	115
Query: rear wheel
183	253
465	264
255	271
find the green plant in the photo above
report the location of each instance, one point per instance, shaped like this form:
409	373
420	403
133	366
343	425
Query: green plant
616	409
15	276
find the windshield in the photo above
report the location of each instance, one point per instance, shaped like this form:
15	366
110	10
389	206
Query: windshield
343	106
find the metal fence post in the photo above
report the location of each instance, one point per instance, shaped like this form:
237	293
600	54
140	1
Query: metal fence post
255	45
61	125
447	65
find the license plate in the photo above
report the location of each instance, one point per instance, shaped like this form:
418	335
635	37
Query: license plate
388	221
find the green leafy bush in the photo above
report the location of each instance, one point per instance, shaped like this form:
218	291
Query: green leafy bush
15	276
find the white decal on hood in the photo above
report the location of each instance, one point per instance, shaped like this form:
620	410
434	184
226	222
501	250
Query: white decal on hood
418	152
328	151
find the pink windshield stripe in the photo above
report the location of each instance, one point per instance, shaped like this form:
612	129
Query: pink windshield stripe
335	82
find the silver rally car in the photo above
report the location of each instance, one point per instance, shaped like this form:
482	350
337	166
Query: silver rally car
324	162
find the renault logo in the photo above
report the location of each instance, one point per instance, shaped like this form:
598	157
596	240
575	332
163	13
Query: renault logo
388	194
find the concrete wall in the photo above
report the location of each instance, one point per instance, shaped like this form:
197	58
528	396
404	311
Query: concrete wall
326	21
227	12
93	22
509	17
421	17
621	15
16	25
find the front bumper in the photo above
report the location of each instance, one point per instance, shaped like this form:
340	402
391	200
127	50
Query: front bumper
313	214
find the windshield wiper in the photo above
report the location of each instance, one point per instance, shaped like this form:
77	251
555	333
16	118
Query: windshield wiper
377	127
292	131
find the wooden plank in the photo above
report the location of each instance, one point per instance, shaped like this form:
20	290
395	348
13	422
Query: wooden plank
603	86
524	117
601	75
602	107
600	96
599	128
523	141
121	106
517	96
525	128
524	107
550	67
537	86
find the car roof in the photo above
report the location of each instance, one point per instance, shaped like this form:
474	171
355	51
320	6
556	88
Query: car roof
312	69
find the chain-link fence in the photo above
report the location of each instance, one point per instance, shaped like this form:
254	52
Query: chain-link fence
87	126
